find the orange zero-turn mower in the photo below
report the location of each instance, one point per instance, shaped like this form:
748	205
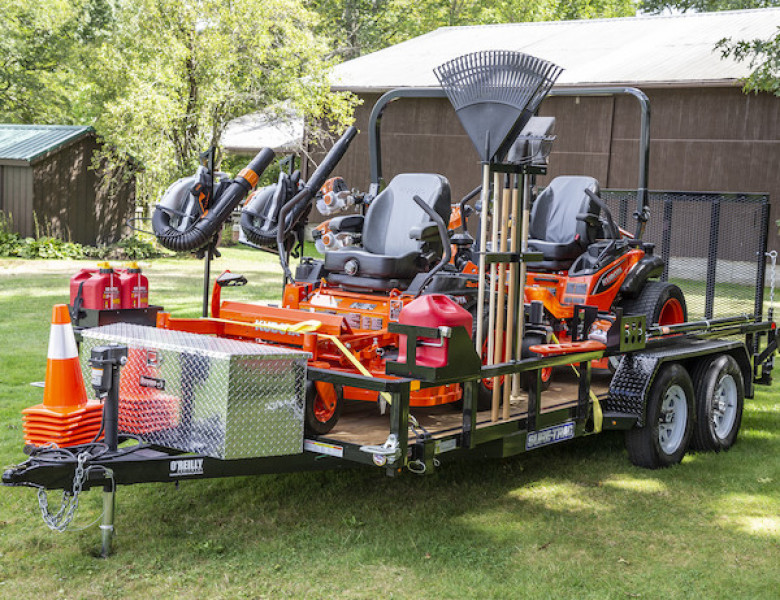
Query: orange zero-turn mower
587	260
339	308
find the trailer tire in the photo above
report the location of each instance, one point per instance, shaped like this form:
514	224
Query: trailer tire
320	414
663	439
720	398
660	301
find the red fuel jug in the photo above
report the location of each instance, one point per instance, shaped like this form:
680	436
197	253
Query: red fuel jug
432	310
134	287
98	288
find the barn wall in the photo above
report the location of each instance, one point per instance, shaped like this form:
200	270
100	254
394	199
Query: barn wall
68	197
16	192
702	139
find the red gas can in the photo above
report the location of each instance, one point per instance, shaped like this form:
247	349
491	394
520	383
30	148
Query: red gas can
99	288
134	287
433	310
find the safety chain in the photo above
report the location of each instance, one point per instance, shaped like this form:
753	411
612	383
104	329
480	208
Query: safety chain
60	520
773	260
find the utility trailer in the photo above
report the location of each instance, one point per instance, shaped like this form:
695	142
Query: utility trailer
675	385
685	385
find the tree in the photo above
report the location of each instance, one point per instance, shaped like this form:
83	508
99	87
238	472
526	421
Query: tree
357	27
659	6
764	59
172	74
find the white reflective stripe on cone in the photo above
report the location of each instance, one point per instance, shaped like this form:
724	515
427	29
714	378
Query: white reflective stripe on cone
62	342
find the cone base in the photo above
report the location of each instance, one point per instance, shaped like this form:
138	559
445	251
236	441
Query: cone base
62	427
60	413
39	441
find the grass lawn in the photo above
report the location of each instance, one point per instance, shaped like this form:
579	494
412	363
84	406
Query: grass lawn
573	521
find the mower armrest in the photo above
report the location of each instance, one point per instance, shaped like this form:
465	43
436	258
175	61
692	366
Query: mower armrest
350	223
588	218
424	232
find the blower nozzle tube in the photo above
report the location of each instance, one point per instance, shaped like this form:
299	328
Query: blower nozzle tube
204	228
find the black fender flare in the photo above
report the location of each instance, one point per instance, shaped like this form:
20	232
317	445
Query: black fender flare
646	268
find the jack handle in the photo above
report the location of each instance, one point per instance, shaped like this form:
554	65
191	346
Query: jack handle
445	241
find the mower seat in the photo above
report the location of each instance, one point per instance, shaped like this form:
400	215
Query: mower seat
554	228
399	239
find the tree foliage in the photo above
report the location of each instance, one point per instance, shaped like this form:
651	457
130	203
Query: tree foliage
174	73
659	6
763	57
160	79
357	27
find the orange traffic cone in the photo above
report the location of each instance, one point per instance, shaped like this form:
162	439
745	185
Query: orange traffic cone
144	409
66	416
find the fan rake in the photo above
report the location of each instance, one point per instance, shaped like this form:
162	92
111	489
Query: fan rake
494	94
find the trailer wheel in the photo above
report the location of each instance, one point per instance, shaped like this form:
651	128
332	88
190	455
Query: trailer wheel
323	407
720	398
662	302
663	439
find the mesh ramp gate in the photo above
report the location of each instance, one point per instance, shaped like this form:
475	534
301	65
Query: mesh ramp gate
713	246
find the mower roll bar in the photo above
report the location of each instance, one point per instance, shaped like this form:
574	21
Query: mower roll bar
642	213
334	155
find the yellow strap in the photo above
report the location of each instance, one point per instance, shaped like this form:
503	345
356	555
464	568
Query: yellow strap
300	327
598	416
353	359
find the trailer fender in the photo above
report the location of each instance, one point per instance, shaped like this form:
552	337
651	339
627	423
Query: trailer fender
636	372
629	386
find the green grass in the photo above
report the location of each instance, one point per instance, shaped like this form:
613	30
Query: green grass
572	521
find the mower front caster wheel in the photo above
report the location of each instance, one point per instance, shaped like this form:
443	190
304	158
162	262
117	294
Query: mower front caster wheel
663	439
323	407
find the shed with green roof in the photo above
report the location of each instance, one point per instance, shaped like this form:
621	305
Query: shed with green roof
48	185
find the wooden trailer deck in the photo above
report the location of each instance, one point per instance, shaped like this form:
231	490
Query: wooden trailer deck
361	423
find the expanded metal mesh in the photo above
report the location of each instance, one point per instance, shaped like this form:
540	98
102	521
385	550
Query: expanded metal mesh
196	393
713	246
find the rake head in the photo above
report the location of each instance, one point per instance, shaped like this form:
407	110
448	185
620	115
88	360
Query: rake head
494	93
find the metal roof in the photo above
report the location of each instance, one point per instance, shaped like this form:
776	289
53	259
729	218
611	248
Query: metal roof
23	144
676	50
250	133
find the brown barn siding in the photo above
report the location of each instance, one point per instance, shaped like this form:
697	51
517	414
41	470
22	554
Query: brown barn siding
63	199
70	201
16	194
702	139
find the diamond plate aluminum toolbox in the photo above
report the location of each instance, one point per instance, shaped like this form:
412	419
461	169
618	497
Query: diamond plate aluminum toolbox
223	398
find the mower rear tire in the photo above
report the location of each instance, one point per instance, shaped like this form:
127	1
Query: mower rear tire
661	302
720	398
663	439
322	409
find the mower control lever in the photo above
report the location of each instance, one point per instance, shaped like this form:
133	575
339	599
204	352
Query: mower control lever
610	222
445	240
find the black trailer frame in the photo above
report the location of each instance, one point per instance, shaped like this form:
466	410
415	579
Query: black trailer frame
624	408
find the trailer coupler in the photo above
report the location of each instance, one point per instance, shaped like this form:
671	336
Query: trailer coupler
72	472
